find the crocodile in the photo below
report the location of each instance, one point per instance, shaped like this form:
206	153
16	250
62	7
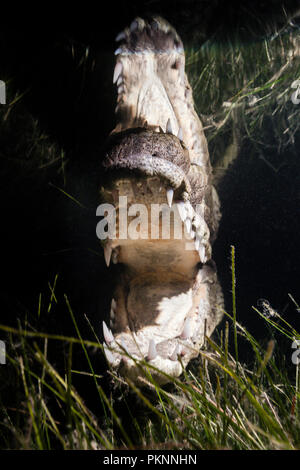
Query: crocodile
167	298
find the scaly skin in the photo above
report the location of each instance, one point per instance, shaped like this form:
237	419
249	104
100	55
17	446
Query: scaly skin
167	298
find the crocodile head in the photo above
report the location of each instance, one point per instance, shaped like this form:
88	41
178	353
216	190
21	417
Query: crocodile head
161	211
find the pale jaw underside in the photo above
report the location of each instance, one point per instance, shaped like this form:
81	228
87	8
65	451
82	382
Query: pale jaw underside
164	302
167	297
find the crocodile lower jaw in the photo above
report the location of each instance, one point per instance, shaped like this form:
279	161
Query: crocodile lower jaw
173	330
161	308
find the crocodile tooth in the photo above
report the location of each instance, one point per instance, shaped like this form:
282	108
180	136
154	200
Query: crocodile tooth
118	51
187	329
113	304
114	257
109	355
107	253
197	244
181	210
202	255
120	36
108	336
197	221
169	127
123	344
120	80
188	224
118	71
180	134
112	313
175	353
189	209
170	194
134	25
152	352
121	89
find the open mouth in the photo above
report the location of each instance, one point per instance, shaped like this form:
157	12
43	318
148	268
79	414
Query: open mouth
162	305
162	211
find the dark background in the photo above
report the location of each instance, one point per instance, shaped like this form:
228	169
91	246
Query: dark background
44	233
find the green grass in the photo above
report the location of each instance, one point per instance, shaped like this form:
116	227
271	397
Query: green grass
218	402
240	88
